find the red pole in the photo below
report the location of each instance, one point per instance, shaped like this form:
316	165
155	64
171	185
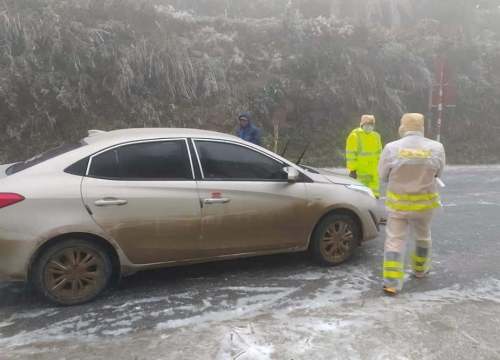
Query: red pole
430	114
440	105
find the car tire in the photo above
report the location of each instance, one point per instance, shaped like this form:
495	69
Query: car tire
72	272
335	239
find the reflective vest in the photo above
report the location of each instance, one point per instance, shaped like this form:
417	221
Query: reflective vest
362	155
411	166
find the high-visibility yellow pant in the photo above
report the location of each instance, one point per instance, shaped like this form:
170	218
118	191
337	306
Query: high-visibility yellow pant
370	180
398	231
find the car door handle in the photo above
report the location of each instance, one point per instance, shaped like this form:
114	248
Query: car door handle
216	201
111	202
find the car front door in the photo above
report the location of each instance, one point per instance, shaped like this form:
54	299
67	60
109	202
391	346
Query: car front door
248	204
144	196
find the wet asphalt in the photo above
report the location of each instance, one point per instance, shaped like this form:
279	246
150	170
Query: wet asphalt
286	307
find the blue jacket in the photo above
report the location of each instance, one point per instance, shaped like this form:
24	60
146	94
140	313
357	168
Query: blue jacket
250	133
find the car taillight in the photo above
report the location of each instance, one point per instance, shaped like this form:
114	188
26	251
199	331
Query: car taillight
7	199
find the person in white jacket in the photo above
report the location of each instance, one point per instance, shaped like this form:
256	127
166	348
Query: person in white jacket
411	167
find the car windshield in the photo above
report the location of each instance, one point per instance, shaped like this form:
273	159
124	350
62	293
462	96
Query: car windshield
40	158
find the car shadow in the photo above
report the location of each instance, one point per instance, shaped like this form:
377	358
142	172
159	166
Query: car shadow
179	279
15	294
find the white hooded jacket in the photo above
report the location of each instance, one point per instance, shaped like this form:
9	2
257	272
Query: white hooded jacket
410	166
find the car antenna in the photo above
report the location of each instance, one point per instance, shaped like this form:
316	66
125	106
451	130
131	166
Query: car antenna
303	153
285	148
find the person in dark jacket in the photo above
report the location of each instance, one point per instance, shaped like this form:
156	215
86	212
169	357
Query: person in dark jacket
247	130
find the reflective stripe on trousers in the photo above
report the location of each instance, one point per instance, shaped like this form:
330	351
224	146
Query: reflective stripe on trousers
393	269
421	258
397	231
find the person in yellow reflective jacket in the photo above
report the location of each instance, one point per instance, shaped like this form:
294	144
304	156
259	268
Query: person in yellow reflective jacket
411	166
363	150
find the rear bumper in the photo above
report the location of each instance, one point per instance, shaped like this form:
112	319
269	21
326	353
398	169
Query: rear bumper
14	257
8	278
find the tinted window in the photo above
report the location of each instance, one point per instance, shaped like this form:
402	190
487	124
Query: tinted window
105	165
168	160
228	161
38	159
78	168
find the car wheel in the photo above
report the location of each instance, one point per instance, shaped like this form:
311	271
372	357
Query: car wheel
335	239
72	272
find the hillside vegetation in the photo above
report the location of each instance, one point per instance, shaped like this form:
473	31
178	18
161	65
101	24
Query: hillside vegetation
306	69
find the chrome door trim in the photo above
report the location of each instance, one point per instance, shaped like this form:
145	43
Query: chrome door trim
190	159
198	157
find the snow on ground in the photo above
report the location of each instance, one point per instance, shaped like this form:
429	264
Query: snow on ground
325	330
294	311
329	315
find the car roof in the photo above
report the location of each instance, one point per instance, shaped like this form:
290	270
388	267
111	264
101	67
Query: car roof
125	135
101	140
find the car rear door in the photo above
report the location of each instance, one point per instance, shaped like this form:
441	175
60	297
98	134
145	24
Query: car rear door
248	204
144	195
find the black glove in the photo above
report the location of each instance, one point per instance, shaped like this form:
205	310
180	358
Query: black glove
353	174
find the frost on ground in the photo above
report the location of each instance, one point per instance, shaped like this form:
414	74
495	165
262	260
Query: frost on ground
244	343
332	314
295	311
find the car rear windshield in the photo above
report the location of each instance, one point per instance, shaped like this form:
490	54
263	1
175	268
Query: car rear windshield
47	155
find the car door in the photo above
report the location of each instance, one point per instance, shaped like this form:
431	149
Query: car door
248	204
144	195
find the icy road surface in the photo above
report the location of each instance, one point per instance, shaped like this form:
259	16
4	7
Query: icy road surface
284	307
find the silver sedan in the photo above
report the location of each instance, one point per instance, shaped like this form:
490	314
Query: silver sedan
76	218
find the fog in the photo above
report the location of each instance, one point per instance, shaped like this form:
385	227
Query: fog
305	69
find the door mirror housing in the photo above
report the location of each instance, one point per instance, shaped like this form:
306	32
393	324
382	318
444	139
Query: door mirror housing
293	175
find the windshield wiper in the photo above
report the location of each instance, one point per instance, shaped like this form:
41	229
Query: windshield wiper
285	149
303	154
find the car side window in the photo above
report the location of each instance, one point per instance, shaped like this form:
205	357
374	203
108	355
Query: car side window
224	161
162	160
79	168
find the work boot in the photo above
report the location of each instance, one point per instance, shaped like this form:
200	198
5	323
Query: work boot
420	274
390	291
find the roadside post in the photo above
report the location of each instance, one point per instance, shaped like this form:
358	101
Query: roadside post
443	91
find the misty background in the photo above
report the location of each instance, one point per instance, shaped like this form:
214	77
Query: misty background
307	69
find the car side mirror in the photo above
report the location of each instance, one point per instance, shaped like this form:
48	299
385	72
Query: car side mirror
293	175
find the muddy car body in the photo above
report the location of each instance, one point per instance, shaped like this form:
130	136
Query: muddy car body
119	202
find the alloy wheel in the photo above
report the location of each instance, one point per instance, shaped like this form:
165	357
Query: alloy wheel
337	241
74	273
